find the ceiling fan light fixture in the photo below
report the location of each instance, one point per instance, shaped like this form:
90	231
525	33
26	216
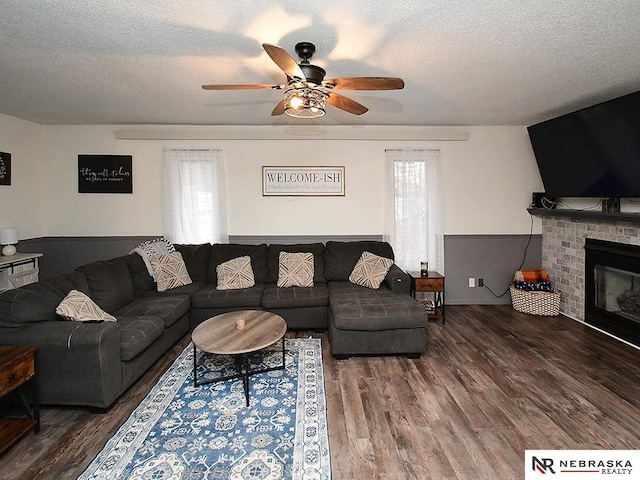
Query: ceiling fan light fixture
306	92
304	103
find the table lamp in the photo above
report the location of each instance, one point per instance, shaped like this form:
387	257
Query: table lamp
8	238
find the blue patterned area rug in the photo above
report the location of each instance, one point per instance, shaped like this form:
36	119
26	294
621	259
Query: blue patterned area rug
184	432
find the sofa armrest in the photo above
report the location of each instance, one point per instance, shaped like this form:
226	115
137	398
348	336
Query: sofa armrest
398	280
77	363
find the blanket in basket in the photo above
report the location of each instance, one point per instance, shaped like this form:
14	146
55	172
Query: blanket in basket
532	280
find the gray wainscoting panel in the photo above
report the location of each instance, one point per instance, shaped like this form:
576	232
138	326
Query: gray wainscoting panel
291	239
494	258
64	254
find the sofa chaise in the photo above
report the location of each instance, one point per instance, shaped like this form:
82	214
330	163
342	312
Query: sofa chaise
93	363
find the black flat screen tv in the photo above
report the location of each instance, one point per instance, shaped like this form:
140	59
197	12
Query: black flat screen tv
593	152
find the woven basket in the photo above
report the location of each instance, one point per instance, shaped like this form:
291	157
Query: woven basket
535	303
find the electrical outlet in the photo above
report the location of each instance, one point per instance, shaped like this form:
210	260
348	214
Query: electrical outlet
472	282
481	282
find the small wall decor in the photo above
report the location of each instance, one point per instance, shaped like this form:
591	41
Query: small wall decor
105	174
303	181
5	168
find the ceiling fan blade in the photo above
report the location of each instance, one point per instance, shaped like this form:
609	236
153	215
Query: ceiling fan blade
279	109
346	104
365	83
284	61
257	86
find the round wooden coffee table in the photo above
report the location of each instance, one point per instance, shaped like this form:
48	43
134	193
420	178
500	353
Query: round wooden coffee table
238	334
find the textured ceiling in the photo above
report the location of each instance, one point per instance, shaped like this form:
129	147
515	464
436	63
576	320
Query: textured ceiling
464	62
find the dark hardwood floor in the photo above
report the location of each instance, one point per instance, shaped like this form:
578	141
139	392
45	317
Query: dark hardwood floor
492	383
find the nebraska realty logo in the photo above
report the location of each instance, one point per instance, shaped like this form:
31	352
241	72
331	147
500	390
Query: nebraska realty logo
581	464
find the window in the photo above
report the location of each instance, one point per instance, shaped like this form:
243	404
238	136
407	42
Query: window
413	220
194	196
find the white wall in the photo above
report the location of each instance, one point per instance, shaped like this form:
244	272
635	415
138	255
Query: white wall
21	203
82	214
487	182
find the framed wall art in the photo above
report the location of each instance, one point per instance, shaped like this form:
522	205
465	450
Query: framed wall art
5	168
303	181
105	174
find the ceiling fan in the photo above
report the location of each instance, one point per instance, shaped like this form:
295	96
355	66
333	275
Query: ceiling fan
306	92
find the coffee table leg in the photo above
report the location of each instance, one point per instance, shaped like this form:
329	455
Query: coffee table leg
242	362
245	378
195	368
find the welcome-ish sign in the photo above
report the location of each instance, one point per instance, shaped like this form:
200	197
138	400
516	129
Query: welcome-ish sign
303	181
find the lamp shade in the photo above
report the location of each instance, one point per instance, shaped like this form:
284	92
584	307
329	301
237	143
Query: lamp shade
8	236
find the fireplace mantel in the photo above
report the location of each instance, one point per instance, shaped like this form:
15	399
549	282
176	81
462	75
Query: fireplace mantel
590	214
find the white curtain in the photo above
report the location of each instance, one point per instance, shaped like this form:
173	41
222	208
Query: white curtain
413	218
194	196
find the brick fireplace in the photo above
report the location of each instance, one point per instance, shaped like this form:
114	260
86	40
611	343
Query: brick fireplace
563	254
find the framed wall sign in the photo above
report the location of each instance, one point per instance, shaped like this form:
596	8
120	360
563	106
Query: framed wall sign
303	181
5	168
105	174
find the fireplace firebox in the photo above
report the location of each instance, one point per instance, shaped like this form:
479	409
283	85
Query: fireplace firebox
612	283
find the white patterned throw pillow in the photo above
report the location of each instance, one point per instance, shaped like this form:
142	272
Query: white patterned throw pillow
295	269
370	270
235	274
170	271
159	246
79	307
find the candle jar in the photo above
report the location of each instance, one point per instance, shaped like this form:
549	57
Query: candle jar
240	323
424	269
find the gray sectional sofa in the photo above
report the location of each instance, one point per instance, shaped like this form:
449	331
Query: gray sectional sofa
94	363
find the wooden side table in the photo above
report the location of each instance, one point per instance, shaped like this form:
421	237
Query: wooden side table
433	282
17	368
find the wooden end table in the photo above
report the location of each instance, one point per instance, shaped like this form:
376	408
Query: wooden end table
432	282
221	335
17	368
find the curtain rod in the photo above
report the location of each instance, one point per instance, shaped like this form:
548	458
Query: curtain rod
193	149
281	132
411	149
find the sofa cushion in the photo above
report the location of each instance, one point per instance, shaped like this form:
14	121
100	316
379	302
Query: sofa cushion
140	278
170	308
341	257
317	249
360	308
190	289
109	282
293	297
235	274
222	252
37	302
170	271
211	297
78	307
295	269
370	270
137	333
196	258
